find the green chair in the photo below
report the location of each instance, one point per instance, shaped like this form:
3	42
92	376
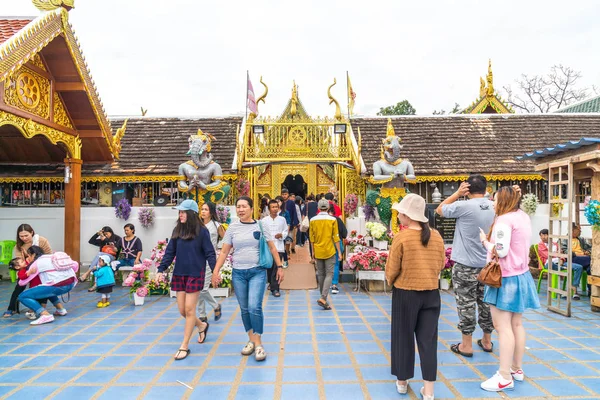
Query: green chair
6	254
554	282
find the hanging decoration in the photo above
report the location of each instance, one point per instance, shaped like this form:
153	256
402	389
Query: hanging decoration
350	204
592	213
146	216
529	203
123	209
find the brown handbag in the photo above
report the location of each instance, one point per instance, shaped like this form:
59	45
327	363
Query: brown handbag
491	274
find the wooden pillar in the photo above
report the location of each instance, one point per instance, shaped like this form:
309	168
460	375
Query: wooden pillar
73	209
594	280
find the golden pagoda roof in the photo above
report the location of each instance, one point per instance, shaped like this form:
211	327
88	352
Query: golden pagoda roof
489	101
30	41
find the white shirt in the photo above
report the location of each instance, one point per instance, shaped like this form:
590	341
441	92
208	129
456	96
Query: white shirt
276	225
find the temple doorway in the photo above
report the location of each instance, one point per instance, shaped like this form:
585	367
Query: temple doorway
295	184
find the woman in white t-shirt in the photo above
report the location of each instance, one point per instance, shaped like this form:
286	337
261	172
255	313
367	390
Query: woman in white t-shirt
208	214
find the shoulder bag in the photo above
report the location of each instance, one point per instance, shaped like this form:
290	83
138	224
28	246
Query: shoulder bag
265	258
491	274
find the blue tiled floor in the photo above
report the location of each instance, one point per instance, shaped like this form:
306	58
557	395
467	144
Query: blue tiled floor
125	352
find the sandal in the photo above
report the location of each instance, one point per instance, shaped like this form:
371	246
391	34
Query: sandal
186	351
8	314
248	349
205	332
324	304
456	349
218	313
480	344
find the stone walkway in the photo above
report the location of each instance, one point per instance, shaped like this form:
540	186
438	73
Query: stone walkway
125	352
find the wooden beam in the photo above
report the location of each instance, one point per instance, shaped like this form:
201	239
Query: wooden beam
73	209
595	301
90	133
24	114
85	122
69	87
593	280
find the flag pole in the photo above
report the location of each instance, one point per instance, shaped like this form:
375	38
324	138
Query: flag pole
246	103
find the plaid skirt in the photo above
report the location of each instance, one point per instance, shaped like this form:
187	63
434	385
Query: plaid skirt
188	284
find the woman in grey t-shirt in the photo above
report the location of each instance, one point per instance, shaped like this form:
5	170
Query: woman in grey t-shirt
249	280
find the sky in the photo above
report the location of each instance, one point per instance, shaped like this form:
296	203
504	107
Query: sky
190	57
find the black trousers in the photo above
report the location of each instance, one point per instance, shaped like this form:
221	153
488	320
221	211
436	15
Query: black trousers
14	303
415	314
272	274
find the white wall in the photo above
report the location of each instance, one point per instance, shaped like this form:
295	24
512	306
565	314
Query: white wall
49	222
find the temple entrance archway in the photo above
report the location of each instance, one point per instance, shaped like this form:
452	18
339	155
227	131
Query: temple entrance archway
295	184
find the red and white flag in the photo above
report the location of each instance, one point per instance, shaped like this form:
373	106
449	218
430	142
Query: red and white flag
251	99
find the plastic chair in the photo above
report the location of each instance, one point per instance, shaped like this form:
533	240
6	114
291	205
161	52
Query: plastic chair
554	282
6	254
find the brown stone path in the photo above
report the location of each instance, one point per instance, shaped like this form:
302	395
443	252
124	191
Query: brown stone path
301	273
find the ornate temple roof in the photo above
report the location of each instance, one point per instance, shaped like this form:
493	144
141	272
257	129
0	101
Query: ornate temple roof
461	144
489	101
591	105
11	25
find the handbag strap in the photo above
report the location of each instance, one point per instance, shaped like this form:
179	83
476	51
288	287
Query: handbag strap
495	255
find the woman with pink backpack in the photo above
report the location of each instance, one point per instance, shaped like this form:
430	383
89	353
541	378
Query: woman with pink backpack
57	274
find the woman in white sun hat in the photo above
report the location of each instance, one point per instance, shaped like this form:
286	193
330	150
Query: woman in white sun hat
416	259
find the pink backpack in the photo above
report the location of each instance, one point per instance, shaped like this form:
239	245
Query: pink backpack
62	262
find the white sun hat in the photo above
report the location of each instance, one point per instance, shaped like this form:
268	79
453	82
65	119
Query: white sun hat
413	206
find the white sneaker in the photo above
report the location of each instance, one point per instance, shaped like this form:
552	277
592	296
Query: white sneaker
260	354
248	349
61	312
497	383
426	397
284	265
402	389
335	289
30	315
517	375
44	319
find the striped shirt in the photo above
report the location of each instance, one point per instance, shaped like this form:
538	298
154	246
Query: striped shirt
244	237
412	266
323	234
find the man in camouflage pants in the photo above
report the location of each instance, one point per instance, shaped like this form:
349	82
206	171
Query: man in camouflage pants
470	256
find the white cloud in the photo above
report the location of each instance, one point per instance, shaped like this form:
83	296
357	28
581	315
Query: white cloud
190	57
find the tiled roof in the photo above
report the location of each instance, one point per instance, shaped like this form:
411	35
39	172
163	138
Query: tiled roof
586	106
473	143
560	148
156	146
10	26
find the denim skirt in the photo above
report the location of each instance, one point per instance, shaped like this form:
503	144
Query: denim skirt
516	294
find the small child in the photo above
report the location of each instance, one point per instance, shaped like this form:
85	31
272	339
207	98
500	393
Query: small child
15	264
105	280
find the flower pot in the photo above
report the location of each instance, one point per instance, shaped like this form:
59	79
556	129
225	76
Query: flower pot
158	292
172	294
219	292
380	244
138	300
444	283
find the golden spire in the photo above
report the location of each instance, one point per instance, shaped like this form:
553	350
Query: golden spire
116	139
294	108
390	129
49	5
490	80
338	111
481	87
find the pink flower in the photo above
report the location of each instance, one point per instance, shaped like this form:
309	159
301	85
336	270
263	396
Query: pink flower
129	281
142	291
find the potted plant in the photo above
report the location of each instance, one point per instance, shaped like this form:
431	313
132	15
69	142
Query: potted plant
158	286
355	242
140	295
137	280
446	275
378	232
369	265
157	254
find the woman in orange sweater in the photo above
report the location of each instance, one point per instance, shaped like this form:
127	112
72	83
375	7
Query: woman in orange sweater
416	259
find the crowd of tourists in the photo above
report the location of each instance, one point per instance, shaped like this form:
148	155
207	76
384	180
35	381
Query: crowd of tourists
488	234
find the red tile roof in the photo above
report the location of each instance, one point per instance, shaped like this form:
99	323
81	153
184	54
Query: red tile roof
8	27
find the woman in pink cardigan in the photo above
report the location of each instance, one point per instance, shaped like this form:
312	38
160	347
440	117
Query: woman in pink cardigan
510	237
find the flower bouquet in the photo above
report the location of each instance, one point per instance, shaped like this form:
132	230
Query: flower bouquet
369	212
123	209
350	204
223	214
376	230
223	290
159	285
243	187
146	216
137	279
355	242
529	203
369	260
446	275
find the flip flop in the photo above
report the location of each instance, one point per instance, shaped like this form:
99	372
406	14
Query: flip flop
205	331
456	349
480	344
186	351
218	313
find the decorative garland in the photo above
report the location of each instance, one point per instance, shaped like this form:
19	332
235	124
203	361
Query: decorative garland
146	216
350	204
243	187
223	214
557	207
592	213
529	203
123	209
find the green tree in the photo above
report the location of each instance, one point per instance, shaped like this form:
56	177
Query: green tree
402	108
455	110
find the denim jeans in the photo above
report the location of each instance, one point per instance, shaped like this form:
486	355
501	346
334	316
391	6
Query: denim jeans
577	271
127	262
336	271
249	286
30	297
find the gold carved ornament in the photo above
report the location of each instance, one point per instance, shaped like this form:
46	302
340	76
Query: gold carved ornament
456	178
116	139
338	112
28	91
49	5
60	113
29	129
37	61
